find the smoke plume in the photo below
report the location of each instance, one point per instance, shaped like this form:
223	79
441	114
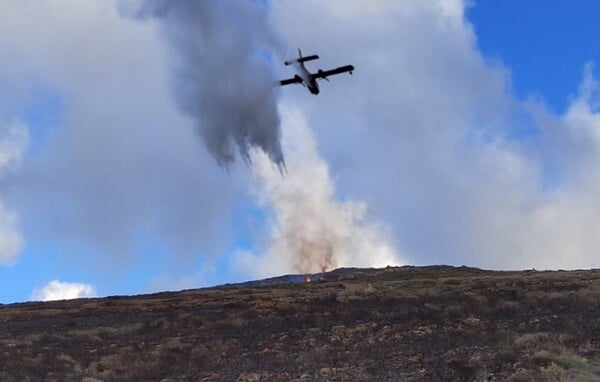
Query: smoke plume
221	74
310	230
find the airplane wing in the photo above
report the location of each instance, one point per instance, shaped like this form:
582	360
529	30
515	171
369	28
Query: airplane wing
342	69
295	80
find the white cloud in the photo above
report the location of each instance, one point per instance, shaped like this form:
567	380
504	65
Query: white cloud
14	138
59	290
13	141
11	241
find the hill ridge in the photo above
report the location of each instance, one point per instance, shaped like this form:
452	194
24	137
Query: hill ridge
395	323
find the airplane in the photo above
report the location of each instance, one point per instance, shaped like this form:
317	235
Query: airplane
308	79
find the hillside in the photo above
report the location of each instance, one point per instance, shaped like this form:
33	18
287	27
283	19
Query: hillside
398	323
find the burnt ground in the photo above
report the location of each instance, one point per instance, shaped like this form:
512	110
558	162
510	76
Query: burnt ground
395	324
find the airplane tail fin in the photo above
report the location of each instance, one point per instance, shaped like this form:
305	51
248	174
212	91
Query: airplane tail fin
301	59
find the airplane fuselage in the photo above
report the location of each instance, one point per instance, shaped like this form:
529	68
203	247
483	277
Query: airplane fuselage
308	79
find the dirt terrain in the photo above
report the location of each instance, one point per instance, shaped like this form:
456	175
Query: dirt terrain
395	324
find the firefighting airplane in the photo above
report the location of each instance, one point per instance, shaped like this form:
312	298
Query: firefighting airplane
308	79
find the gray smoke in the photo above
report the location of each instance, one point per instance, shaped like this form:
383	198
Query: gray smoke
219	56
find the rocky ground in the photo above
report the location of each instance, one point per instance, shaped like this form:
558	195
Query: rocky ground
394	324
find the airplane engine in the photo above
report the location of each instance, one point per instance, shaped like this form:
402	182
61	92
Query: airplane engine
321	75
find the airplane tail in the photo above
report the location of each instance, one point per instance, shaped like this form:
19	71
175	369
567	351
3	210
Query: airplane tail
297	60
301	59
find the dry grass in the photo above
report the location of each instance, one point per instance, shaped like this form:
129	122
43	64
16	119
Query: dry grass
431	323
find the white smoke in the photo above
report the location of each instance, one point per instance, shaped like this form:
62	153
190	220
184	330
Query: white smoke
219	53
14	138
59	290
311	231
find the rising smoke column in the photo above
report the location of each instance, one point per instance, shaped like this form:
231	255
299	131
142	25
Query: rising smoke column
310	230
221	75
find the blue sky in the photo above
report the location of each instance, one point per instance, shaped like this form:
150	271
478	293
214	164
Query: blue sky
544	48
545	45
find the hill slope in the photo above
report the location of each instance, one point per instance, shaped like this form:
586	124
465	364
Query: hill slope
405	323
